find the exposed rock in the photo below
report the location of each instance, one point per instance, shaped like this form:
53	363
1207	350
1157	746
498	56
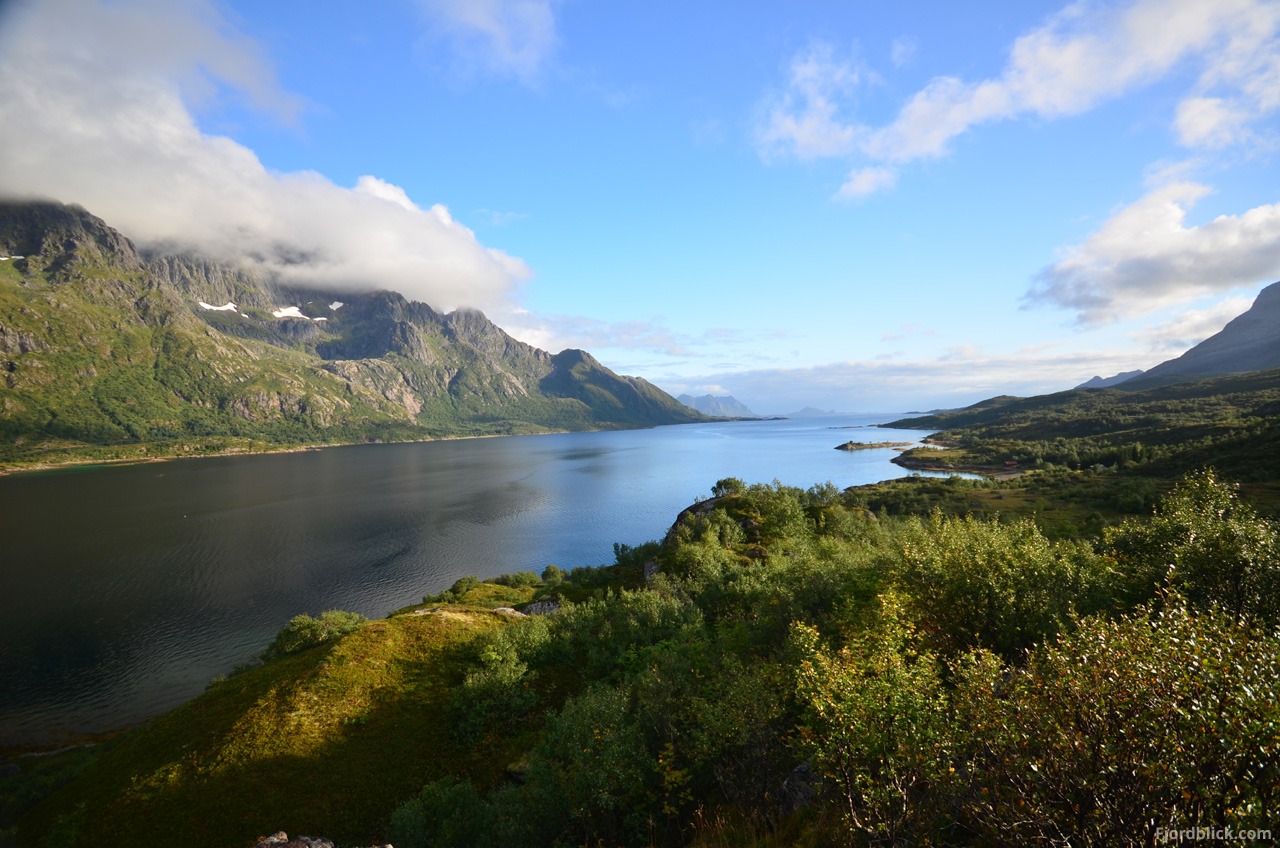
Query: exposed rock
514	613
280	839
651	569
542	608
799	789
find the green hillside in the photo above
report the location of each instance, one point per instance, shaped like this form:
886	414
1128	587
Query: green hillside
108	355
797	672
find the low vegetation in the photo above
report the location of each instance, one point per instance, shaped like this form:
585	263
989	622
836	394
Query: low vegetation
799	670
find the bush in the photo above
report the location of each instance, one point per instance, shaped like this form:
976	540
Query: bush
1208	544
447	812
1005	587
304	632
454	593
1161	720
876	727
516	580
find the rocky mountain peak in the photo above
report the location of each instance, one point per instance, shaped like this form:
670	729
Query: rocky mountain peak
54	236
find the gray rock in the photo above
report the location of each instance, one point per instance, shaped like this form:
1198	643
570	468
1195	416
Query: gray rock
799	789
514	613
542	608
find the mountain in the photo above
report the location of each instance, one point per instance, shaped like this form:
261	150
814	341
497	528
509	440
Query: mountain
721	406
103	346
1250	342
1098	382
811	412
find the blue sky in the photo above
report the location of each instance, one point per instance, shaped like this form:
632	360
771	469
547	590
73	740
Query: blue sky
858	206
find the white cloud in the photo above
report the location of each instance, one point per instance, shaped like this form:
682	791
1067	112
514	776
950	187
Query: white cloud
1210	122
1089	53
94	109
963	375
1086	54
558	332
902	52
500	37
1145	257
1194	326
865	181
802	120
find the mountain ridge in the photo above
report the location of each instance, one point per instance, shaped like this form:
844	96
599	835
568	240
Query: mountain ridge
103	346
1249	342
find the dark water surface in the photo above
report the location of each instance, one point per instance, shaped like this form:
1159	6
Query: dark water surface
125	589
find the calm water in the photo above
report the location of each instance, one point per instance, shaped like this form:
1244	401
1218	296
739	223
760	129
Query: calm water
126	589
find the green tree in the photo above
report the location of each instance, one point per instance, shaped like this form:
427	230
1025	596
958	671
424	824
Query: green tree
1207	543
876	726
304	632
1162	720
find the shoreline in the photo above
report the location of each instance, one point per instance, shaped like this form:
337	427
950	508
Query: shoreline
42	467
985	470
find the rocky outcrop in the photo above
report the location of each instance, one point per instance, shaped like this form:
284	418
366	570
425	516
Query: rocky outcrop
281	839
542	608
54	238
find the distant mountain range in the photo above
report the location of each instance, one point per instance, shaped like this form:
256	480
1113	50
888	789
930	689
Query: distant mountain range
721	406
100	345
1249	342
1107	382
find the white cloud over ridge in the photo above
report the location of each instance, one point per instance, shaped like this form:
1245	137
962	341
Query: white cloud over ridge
94	109
1194	326
1145	257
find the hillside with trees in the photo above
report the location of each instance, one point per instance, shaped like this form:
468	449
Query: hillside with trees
784	668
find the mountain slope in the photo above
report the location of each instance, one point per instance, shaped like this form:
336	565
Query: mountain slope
1250	342
100	346
724	406
1100	382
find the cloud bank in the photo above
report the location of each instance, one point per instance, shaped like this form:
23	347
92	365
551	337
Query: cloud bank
961	376
96	107
1145	257
1086	54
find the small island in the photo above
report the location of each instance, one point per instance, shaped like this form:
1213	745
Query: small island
853	446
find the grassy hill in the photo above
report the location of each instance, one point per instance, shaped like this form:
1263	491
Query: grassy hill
797	672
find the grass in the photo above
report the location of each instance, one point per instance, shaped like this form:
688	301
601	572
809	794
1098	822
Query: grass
322	742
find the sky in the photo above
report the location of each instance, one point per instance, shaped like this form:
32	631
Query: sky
848	205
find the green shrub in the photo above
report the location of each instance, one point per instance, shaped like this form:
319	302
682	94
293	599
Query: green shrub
515	580
1208	544
1006	587
304	632
1168	719
447	812
454	593
877	727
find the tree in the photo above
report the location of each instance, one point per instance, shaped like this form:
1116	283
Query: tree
1208	544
